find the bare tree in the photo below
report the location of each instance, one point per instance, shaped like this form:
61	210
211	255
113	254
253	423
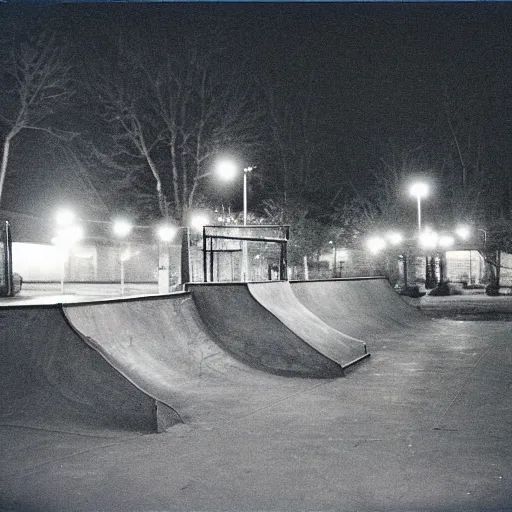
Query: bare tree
37	82
176	113
293	129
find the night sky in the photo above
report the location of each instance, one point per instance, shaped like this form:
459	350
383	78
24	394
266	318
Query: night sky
378	74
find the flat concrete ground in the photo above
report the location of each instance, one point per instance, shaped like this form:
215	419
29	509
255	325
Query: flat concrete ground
424	425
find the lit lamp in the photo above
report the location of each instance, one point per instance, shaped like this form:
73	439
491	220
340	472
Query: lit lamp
446	241
429	239
376	244
227	170
394	238
419	191
198	221
463	232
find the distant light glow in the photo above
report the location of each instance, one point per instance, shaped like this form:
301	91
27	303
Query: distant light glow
446	241
122	228
226	169
198	221
166	233
125	255
429	239
68	236
376	244
463	232
65	217
394	238
419	190
343	254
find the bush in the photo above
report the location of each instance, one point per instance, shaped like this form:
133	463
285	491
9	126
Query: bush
444	289
412	291
492	290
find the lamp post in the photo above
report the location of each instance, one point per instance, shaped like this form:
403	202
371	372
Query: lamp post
245	261
247	170
333	243
122	228
419	190
485	235
165	233
227	170
68	234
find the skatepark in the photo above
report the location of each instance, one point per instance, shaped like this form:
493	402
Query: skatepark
318	395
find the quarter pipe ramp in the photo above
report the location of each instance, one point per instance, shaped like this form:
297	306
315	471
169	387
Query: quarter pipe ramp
265	325
50	378
360	307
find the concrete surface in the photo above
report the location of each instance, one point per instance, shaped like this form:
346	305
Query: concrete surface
424	425
266	321
163	346
360	307
50	378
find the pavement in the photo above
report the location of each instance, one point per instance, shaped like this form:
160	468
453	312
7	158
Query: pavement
422	425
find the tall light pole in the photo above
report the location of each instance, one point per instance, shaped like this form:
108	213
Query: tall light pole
68	234
419	190
247	170
227	170
122	229
334	257
245	260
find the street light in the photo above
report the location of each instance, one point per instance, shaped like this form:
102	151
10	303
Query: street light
485	235
376	244
198	221
227	169
429	239
165	233
333	257
446	241
68	234
463	232
65	217
122	228
419	190
394	238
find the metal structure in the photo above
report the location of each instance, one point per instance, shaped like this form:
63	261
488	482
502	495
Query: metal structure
6	277
216	239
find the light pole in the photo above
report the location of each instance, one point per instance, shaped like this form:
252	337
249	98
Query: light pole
419	190
165	233
247	170
68	234
122	228
227	170
485	235
333	243
245	260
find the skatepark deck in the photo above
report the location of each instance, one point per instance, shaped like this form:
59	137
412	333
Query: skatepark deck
425	425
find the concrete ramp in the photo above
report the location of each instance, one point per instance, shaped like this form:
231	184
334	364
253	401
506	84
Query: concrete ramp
50	378
162	345
265	325
364	307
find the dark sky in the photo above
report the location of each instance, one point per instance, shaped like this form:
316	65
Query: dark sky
377	66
